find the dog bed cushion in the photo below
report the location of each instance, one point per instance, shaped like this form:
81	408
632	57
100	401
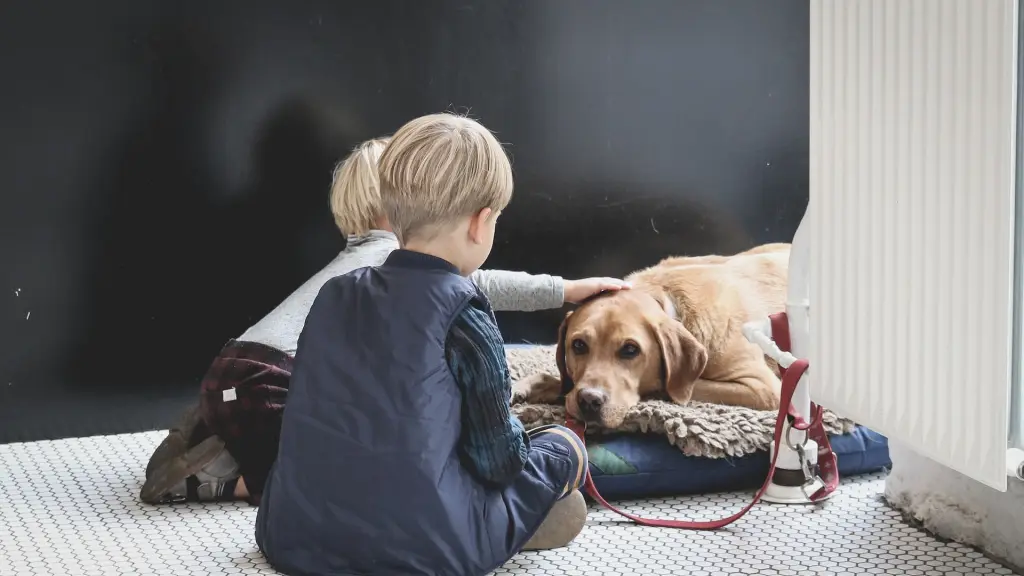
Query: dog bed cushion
665	449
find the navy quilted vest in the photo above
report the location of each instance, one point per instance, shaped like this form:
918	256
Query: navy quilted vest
368	479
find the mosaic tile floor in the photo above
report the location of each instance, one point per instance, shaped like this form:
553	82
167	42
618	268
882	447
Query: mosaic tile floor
69	508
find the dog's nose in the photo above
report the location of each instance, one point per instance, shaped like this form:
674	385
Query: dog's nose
591	400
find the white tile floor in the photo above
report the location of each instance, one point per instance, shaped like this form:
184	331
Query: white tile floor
69	507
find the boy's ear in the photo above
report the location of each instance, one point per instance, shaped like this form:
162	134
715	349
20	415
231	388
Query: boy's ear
477	223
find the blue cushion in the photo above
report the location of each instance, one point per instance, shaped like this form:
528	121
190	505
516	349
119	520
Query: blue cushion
645	465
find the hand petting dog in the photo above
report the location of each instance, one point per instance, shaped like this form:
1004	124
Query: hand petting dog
577	291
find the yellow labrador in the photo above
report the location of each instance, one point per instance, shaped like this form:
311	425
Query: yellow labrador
676	333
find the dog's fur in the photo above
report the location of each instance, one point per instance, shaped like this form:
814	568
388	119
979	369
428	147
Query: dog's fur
676	332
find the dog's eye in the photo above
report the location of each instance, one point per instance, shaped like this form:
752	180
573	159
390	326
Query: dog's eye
579	346
629	350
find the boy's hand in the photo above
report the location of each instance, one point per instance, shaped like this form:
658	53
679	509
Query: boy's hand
578	290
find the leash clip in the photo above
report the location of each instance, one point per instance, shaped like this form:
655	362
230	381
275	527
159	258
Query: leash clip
809	470
811	476
813	482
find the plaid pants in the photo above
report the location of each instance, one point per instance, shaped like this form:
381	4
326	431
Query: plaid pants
242	400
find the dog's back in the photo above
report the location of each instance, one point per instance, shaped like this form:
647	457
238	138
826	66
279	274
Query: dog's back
755	279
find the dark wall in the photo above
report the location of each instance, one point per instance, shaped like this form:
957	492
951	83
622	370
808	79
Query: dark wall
164	164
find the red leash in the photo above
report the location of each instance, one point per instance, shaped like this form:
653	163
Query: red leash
828	471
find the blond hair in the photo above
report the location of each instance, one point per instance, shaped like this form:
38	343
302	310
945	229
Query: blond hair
355	190
438	169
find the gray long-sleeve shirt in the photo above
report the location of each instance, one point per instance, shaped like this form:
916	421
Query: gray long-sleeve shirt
506	290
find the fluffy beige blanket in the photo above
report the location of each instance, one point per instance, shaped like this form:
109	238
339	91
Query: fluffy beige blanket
698	429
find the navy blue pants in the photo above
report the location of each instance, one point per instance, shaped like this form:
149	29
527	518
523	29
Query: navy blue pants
566	440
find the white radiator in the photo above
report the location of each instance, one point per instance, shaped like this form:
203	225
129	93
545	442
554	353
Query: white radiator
912	196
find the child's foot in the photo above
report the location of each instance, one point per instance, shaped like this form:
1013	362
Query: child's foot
564	523
176	441
204	473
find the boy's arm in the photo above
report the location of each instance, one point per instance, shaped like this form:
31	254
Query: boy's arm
528	292
519	290
494	443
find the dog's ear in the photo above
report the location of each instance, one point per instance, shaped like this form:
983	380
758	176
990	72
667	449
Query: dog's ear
683	359
563	373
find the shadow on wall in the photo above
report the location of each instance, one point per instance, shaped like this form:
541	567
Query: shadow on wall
177	263
286	208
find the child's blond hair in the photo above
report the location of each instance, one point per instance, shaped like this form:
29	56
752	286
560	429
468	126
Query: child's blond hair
438	169
355	190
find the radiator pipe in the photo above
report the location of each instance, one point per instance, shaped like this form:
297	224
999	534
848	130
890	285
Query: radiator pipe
798	311
787	485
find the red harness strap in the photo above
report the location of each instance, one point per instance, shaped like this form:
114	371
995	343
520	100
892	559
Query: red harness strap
829	472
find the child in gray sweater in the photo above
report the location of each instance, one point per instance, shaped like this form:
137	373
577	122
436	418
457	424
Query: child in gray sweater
223	448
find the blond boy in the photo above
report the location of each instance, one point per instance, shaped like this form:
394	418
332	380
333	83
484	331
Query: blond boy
399	454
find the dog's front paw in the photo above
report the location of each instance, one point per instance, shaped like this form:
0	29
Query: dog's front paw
540	388
519	396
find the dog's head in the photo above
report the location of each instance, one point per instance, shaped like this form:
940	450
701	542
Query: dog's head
620	347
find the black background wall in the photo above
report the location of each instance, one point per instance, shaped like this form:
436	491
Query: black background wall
164	164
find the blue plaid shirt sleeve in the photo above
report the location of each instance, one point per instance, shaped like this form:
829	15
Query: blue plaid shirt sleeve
494	444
